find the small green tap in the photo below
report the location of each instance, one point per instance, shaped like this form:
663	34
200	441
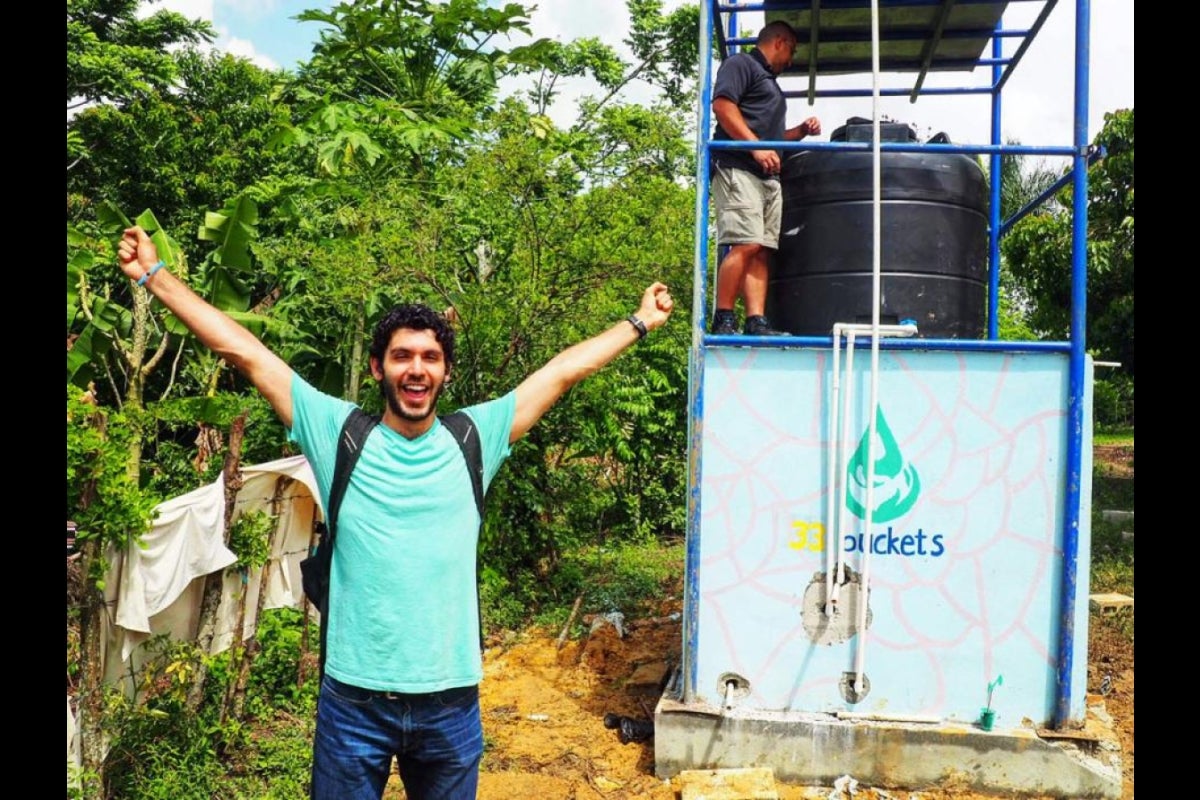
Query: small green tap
992	687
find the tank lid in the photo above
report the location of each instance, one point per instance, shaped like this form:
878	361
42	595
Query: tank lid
859	129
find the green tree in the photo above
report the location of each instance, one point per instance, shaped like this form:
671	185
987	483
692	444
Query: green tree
115	57
392	91
402	80
667	47
119	337
664	47
1021	182
333	275
1038	254
535	241
579	57
543	241
185	151
110	510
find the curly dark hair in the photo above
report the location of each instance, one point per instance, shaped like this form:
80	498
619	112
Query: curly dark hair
418	317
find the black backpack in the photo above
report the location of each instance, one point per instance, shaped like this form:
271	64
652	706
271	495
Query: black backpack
314	570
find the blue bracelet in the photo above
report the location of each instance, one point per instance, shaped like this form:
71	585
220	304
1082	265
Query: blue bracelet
142	280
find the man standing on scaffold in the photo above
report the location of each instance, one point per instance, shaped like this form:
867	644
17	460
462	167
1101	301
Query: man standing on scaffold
749	106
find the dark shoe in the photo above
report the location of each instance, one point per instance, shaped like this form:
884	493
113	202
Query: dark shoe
761	326
724	323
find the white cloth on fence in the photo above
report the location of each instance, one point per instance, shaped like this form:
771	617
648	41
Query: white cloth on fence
74	752
156	586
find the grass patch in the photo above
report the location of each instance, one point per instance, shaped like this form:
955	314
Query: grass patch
1112	557
633	579
1119	623
1112	551
275	762
1121	436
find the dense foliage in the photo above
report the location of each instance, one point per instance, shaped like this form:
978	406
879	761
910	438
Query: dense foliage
388	168
113	55
1037	253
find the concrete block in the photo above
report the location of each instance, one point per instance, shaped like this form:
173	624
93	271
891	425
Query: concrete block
1116	516
751	783
1107	603
817	750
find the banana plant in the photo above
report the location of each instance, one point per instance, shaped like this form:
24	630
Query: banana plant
116	332
100	321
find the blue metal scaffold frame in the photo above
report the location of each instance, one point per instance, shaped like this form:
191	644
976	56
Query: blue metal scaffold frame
1081	154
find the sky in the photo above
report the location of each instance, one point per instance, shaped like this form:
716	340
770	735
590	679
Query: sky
1037	100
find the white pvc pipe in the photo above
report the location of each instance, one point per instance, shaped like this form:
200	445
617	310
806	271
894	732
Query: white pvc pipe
906	328
838	457
877	213
831	484
843	460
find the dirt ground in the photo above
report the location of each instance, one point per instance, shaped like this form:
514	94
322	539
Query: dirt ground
544	708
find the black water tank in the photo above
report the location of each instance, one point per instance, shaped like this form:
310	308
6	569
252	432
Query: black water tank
934	242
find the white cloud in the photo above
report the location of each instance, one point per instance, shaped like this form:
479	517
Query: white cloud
224	42
245	49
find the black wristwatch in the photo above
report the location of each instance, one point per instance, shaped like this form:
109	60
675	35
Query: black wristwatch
638	325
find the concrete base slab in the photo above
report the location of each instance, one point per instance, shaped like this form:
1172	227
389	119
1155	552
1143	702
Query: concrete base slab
814	749
1107	603
755	783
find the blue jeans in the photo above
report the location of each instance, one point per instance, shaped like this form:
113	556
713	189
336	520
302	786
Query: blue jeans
436	738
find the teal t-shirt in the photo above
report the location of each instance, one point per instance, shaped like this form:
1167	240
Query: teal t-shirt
403	605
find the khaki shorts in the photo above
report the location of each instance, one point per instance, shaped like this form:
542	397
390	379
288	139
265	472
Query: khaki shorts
749	208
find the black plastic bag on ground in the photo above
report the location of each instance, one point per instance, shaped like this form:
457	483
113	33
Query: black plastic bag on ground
629	729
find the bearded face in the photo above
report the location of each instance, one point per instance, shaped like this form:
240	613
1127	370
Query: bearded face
412	375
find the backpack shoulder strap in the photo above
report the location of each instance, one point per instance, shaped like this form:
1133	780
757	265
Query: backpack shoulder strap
354	434
462	427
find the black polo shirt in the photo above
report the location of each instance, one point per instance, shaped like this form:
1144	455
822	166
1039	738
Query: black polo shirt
747	80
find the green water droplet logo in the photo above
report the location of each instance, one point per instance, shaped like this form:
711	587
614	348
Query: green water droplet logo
897	484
